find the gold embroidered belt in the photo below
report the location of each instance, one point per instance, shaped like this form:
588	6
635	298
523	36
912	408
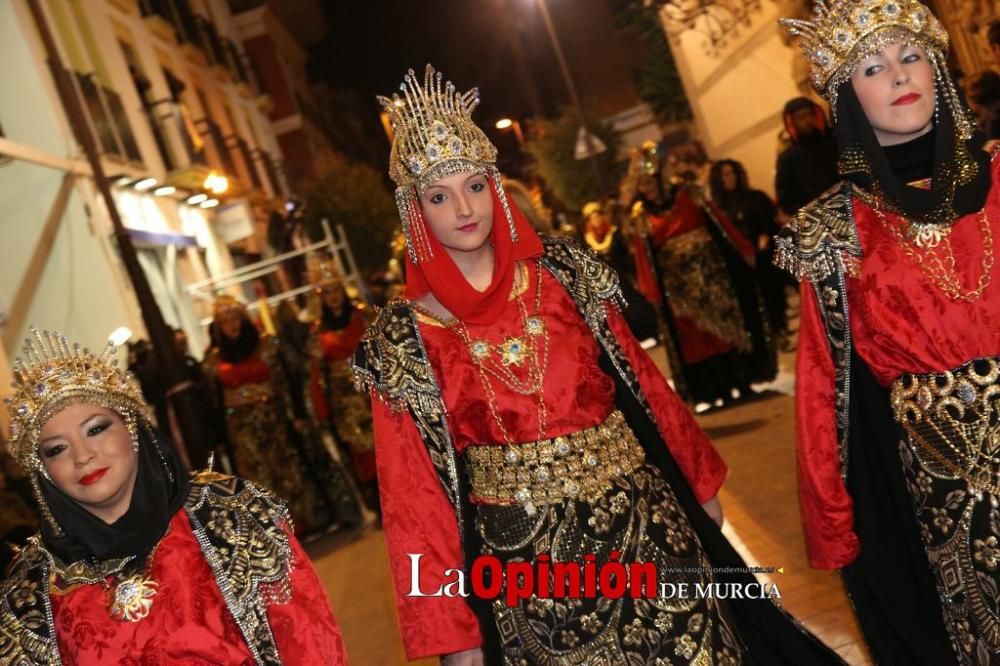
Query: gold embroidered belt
579	465
248	394
953	421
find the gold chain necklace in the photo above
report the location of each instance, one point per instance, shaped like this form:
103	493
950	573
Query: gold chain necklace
940	271
513	351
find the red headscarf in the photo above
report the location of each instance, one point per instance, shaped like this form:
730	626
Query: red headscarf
439	275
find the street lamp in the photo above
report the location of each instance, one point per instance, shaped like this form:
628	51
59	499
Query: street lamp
568	79
508	123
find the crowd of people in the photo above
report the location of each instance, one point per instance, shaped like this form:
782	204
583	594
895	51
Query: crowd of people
504	408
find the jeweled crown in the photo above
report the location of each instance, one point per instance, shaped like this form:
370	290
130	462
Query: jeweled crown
434	134
50	375
844	32
323	273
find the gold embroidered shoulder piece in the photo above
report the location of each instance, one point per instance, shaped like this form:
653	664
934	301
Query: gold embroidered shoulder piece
392	363
822	238
26	634
243	531
591	283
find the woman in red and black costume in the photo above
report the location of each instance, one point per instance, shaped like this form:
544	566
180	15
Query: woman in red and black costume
137	560
516	415
897	359
339	328
719	339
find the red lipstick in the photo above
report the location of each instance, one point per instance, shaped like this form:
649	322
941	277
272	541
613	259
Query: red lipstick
468	227
93	477
909	98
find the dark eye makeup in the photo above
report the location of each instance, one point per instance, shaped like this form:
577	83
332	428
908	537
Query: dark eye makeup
97	428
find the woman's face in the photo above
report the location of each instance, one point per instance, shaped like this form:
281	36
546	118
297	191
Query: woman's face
647	187
334	298
728	176
459	211
230	323
88	453
896	90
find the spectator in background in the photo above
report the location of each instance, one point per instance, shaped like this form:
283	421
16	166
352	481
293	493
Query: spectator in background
752	212
808	167
982	92
993	37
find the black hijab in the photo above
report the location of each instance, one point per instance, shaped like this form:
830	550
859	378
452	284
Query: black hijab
161	487
336	321
959	170
239	349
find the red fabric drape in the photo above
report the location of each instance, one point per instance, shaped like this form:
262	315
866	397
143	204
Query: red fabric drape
440	275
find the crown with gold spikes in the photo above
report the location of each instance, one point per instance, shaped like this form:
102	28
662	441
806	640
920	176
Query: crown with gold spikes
52	375
844	32
434	135
226	304
323	274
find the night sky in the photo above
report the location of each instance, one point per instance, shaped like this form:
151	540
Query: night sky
370	45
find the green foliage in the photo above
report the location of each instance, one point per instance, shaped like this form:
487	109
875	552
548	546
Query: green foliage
656	78
571	180
355	196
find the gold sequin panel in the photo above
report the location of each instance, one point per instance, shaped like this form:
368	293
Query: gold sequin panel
951	463
695	276
248	394
581	464
638	516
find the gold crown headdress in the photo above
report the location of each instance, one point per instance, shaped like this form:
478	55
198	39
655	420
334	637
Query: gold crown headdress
433	130
52	375
842	33
323	274
644	161
434	136
226	304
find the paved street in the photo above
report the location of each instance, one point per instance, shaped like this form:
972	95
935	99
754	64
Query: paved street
762	520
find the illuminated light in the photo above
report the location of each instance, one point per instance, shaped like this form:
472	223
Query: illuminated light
505	123
196	199
164	191
120	336
216	183
210	203
145	184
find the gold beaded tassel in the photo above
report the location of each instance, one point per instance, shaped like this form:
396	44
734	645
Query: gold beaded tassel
414	228
494	175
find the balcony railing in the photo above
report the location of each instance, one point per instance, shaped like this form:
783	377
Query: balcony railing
214	138
211	43
245	157
161	8
235	62
185	22
237	6
264	159
108	119
177	139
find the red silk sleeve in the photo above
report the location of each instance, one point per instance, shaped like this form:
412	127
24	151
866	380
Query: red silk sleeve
827	509
304	628
698	460
418	519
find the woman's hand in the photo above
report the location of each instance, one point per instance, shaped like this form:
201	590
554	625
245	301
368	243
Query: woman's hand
714	510
473	657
